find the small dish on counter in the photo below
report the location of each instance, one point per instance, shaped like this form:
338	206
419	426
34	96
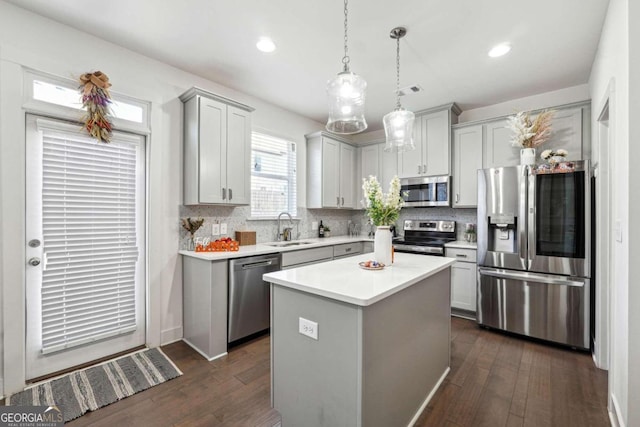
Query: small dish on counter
371	265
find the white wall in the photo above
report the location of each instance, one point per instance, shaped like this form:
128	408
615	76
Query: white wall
633	415
611	70
534	102
32	41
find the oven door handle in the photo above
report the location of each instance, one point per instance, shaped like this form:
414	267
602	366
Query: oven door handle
530	277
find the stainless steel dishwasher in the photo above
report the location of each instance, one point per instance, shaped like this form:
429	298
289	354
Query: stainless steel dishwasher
249	295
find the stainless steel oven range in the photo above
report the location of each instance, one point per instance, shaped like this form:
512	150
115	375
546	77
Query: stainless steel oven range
534	249
426	237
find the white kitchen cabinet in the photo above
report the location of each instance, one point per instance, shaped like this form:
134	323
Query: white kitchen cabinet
370	161
497	148
217	149
374	161
331	171
467	159
205	291
347	187
432	138
569	128
463	280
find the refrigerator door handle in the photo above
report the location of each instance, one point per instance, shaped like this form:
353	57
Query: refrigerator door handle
523	217
530	277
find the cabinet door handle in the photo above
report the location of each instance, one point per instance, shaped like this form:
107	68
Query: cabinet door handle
343	201
230	194
457	197
419	169
224	193
424	168
338	200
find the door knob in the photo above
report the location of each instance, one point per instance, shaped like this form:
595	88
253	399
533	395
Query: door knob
34	262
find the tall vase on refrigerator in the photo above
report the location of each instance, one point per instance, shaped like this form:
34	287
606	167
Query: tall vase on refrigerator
383	210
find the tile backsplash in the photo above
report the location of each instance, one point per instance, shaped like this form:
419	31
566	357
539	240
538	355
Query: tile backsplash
460	216
237	218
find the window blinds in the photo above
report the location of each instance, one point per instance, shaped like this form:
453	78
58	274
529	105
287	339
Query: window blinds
90	237
273	176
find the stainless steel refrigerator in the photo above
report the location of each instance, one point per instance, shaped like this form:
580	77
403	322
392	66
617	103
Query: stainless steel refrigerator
534	249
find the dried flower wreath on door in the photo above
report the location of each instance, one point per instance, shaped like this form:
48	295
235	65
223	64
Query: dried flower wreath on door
94	88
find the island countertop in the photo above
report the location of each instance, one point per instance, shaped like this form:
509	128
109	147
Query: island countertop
344	280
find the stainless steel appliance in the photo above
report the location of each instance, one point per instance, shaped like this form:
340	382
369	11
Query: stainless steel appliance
249	295
426	191
425	237
534	251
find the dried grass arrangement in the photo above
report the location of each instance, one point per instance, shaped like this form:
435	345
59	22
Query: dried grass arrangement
94	88
529	133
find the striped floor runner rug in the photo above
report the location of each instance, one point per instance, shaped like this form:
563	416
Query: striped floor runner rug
91	388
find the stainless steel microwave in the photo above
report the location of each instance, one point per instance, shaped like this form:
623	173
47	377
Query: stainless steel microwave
426	191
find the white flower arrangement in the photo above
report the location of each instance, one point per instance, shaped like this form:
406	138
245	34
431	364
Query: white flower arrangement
529	133
560	152
383	209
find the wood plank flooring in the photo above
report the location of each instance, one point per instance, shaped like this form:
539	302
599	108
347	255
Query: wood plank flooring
495	380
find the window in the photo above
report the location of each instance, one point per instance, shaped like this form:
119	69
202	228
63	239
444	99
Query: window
60	97
273	176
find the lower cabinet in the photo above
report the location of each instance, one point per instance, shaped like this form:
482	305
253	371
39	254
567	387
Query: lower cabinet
205	290
463	280
302	257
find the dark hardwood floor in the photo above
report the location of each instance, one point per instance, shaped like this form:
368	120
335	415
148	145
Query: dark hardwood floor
495	380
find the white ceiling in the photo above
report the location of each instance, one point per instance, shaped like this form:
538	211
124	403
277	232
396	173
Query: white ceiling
445	50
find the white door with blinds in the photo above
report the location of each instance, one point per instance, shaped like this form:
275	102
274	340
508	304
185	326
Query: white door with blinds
85	237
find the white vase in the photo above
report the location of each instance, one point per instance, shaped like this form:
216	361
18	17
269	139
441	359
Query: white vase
382	245
528	156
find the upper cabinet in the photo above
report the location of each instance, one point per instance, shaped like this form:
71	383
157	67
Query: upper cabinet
570	130
432	138
467	159
217	149
488	145
497	148
331	171
374	161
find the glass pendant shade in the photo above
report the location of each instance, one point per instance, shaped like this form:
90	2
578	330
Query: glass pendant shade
346	94
398	129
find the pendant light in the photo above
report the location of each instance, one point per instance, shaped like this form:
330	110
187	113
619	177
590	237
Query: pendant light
398	124
346	93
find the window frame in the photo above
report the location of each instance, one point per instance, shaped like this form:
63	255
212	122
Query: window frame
37	106
292	177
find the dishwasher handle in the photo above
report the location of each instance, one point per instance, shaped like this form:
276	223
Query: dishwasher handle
258	264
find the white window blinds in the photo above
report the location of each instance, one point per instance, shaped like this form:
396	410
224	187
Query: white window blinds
273	176
91	223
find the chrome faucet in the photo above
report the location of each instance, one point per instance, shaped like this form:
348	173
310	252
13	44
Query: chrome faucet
287	232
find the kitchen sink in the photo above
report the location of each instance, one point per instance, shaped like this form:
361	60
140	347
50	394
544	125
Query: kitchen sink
287	244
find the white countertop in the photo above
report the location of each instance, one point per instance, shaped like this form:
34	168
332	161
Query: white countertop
344	280
264	248
462	244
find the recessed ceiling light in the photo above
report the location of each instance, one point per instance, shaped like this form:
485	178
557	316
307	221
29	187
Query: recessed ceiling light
499	50
266	45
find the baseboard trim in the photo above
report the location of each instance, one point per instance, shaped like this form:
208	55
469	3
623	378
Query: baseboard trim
172	335
615	415
429	397
218	356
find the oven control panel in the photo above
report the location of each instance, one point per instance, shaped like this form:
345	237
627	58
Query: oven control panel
429	225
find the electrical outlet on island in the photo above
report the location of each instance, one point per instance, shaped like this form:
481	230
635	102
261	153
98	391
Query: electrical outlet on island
308	328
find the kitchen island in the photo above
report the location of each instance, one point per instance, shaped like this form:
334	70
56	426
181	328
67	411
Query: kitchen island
354	347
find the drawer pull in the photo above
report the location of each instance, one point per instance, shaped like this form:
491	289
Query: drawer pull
348	250
461	255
